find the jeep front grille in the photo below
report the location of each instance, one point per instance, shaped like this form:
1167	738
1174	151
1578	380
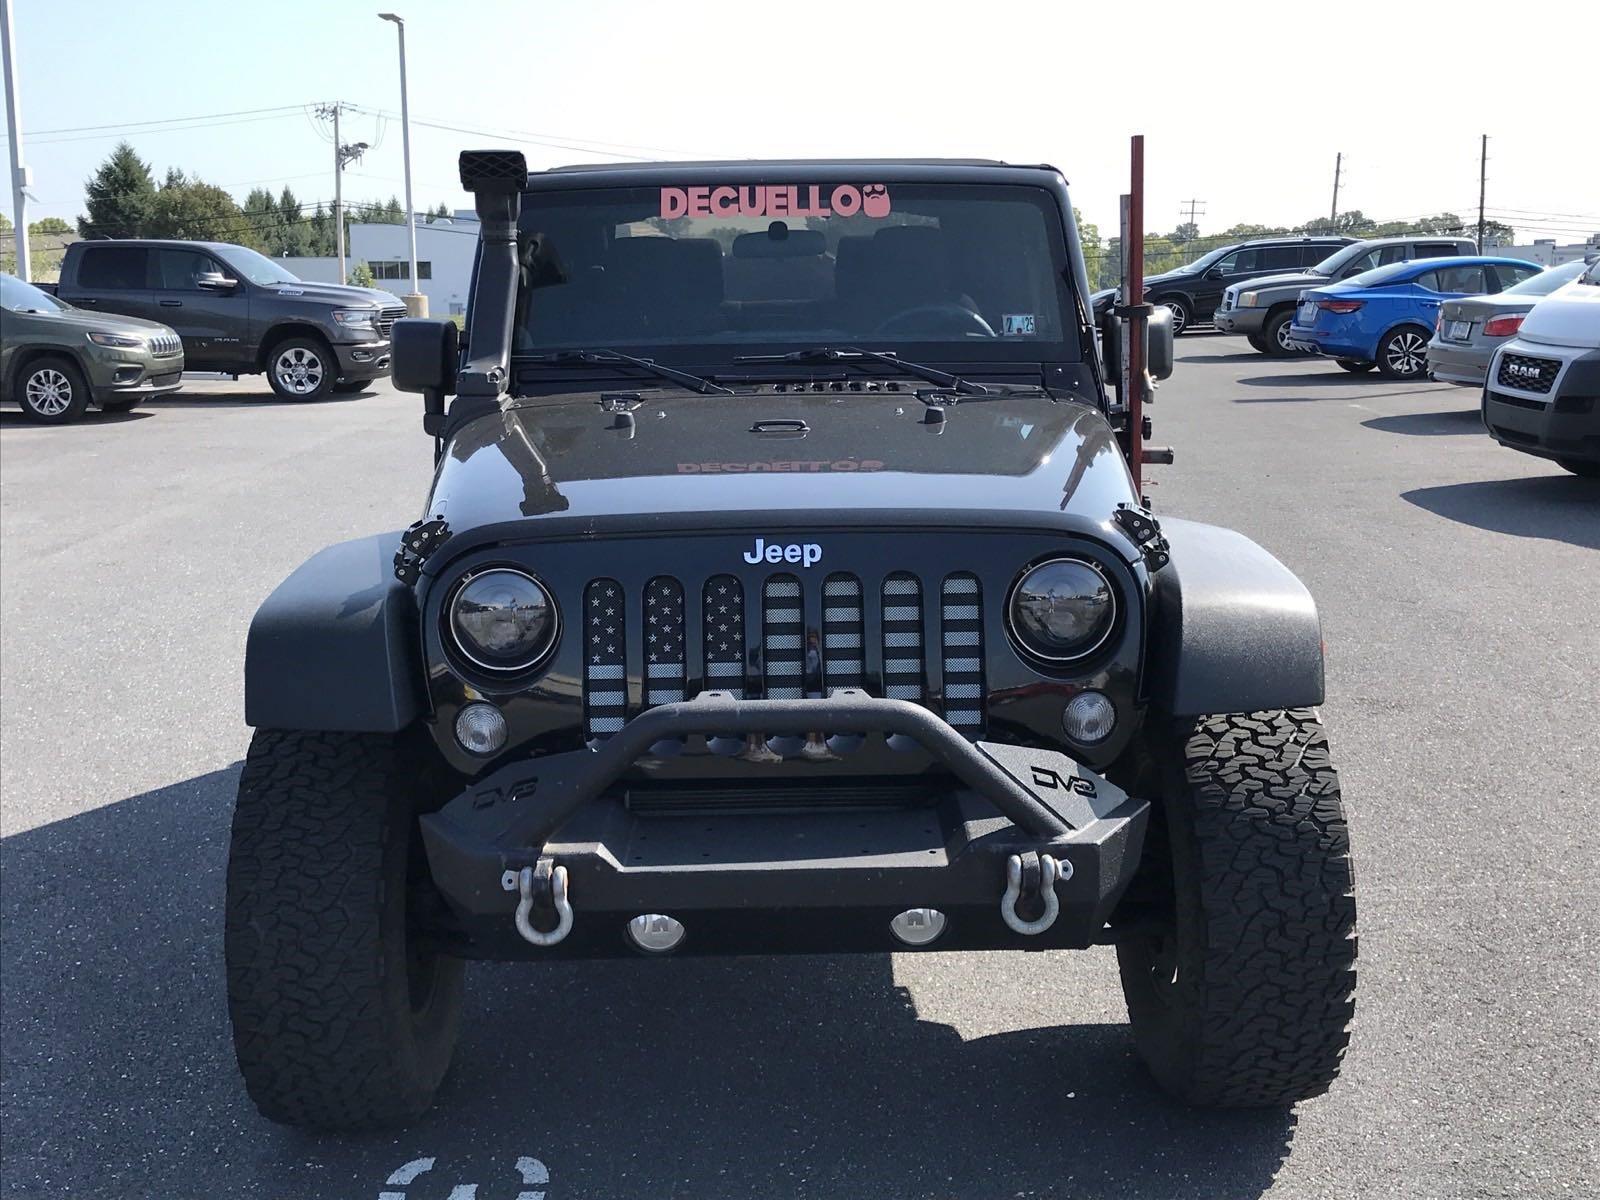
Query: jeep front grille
165	345
762	641
1529	374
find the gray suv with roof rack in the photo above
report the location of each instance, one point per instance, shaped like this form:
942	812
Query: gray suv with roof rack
1264	310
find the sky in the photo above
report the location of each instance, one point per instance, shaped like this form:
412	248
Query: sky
1243	104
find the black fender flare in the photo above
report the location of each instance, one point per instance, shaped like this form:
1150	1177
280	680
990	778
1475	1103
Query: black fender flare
1232	630
336	645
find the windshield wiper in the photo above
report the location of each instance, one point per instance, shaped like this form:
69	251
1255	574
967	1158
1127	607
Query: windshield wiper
853	355
603	358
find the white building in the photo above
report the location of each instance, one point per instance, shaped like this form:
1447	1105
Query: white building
445	249
1545	252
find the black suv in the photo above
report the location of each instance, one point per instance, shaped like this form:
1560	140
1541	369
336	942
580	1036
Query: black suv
781	588
1194	290
240	312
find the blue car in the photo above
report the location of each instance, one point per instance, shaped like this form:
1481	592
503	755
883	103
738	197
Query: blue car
1385	317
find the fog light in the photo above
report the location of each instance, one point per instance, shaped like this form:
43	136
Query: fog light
1088	717
480	728
918	926
655	933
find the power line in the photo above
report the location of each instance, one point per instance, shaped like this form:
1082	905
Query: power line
243	112
143	133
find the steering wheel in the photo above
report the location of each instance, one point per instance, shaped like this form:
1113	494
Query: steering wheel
937	318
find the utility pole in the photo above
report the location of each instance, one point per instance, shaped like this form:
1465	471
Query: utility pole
342	156
20	179
1194	208
1483	180
1338	165
416	302
338	191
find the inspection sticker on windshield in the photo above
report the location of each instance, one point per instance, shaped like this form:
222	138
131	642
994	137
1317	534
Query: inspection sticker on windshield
1017	325
776	200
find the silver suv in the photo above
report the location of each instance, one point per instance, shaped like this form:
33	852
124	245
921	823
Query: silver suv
1262	309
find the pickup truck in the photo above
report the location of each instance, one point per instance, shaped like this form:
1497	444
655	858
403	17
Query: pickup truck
239	312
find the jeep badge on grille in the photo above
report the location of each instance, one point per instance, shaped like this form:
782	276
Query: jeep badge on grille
805	553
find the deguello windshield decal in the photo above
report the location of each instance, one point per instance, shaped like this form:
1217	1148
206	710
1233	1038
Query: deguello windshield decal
776	200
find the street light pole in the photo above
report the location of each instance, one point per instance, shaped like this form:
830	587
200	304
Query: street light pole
19	173
416	302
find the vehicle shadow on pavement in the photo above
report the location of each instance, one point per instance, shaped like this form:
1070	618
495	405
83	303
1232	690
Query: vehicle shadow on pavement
1559	507
88	421
1430	424
703	1077
262	399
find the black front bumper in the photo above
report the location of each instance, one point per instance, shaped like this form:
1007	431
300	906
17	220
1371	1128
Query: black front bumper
759	882
1561	426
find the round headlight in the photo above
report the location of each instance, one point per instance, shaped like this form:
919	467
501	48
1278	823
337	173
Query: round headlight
503	620
1062	610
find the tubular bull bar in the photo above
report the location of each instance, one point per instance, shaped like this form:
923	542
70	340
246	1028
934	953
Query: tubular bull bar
1024	848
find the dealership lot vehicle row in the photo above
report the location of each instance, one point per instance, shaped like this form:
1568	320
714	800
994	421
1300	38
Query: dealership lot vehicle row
1418	534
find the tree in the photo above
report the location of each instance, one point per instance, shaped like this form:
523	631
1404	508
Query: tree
120	196
5	224
48	226
192	209
442	213
294	236
262	214
361	275
1187	232
319	239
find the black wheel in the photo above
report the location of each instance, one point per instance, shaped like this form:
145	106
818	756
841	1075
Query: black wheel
1588	470
350	387
1256	342
341	1020
1403	354
1355	366
1180	312
1243	997
1276	335
52	390
301	368
120	404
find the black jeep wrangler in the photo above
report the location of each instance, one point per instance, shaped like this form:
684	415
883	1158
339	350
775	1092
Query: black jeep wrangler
782	587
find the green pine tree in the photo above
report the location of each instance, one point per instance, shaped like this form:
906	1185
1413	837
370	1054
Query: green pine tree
120	196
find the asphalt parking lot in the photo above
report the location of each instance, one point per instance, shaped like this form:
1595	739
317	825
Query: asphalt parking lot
1458	586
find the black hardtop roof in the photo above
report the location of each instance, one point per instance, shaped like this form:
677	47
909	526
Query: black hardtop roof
785	170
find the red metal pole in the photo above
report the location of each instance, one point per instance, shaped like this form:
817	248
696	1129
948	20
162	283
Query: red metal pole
1133	297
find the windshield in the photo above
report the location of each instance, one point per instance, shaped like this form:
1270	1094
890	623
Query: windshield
1379	276
1546	282
705	274
1204	261
24	297
258	268
1336	261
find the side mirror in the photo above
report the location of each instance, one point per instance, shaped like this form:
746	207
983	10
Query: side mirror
1215	273
1158	350
215	281
422	356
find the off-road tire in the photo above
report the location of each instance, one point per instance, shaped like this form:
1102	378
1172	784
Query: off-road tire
338	1022
57	380
1356	366
304	350
1245	1001
1587	470
1273	330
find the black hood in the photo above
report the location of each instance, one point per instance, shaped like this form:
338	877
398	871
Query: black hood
670	459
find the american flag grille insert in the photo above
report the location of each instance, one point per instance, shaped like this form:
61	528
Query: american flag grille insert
842	646
902	637
722	618
783	637
961	643
664	634
605	684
